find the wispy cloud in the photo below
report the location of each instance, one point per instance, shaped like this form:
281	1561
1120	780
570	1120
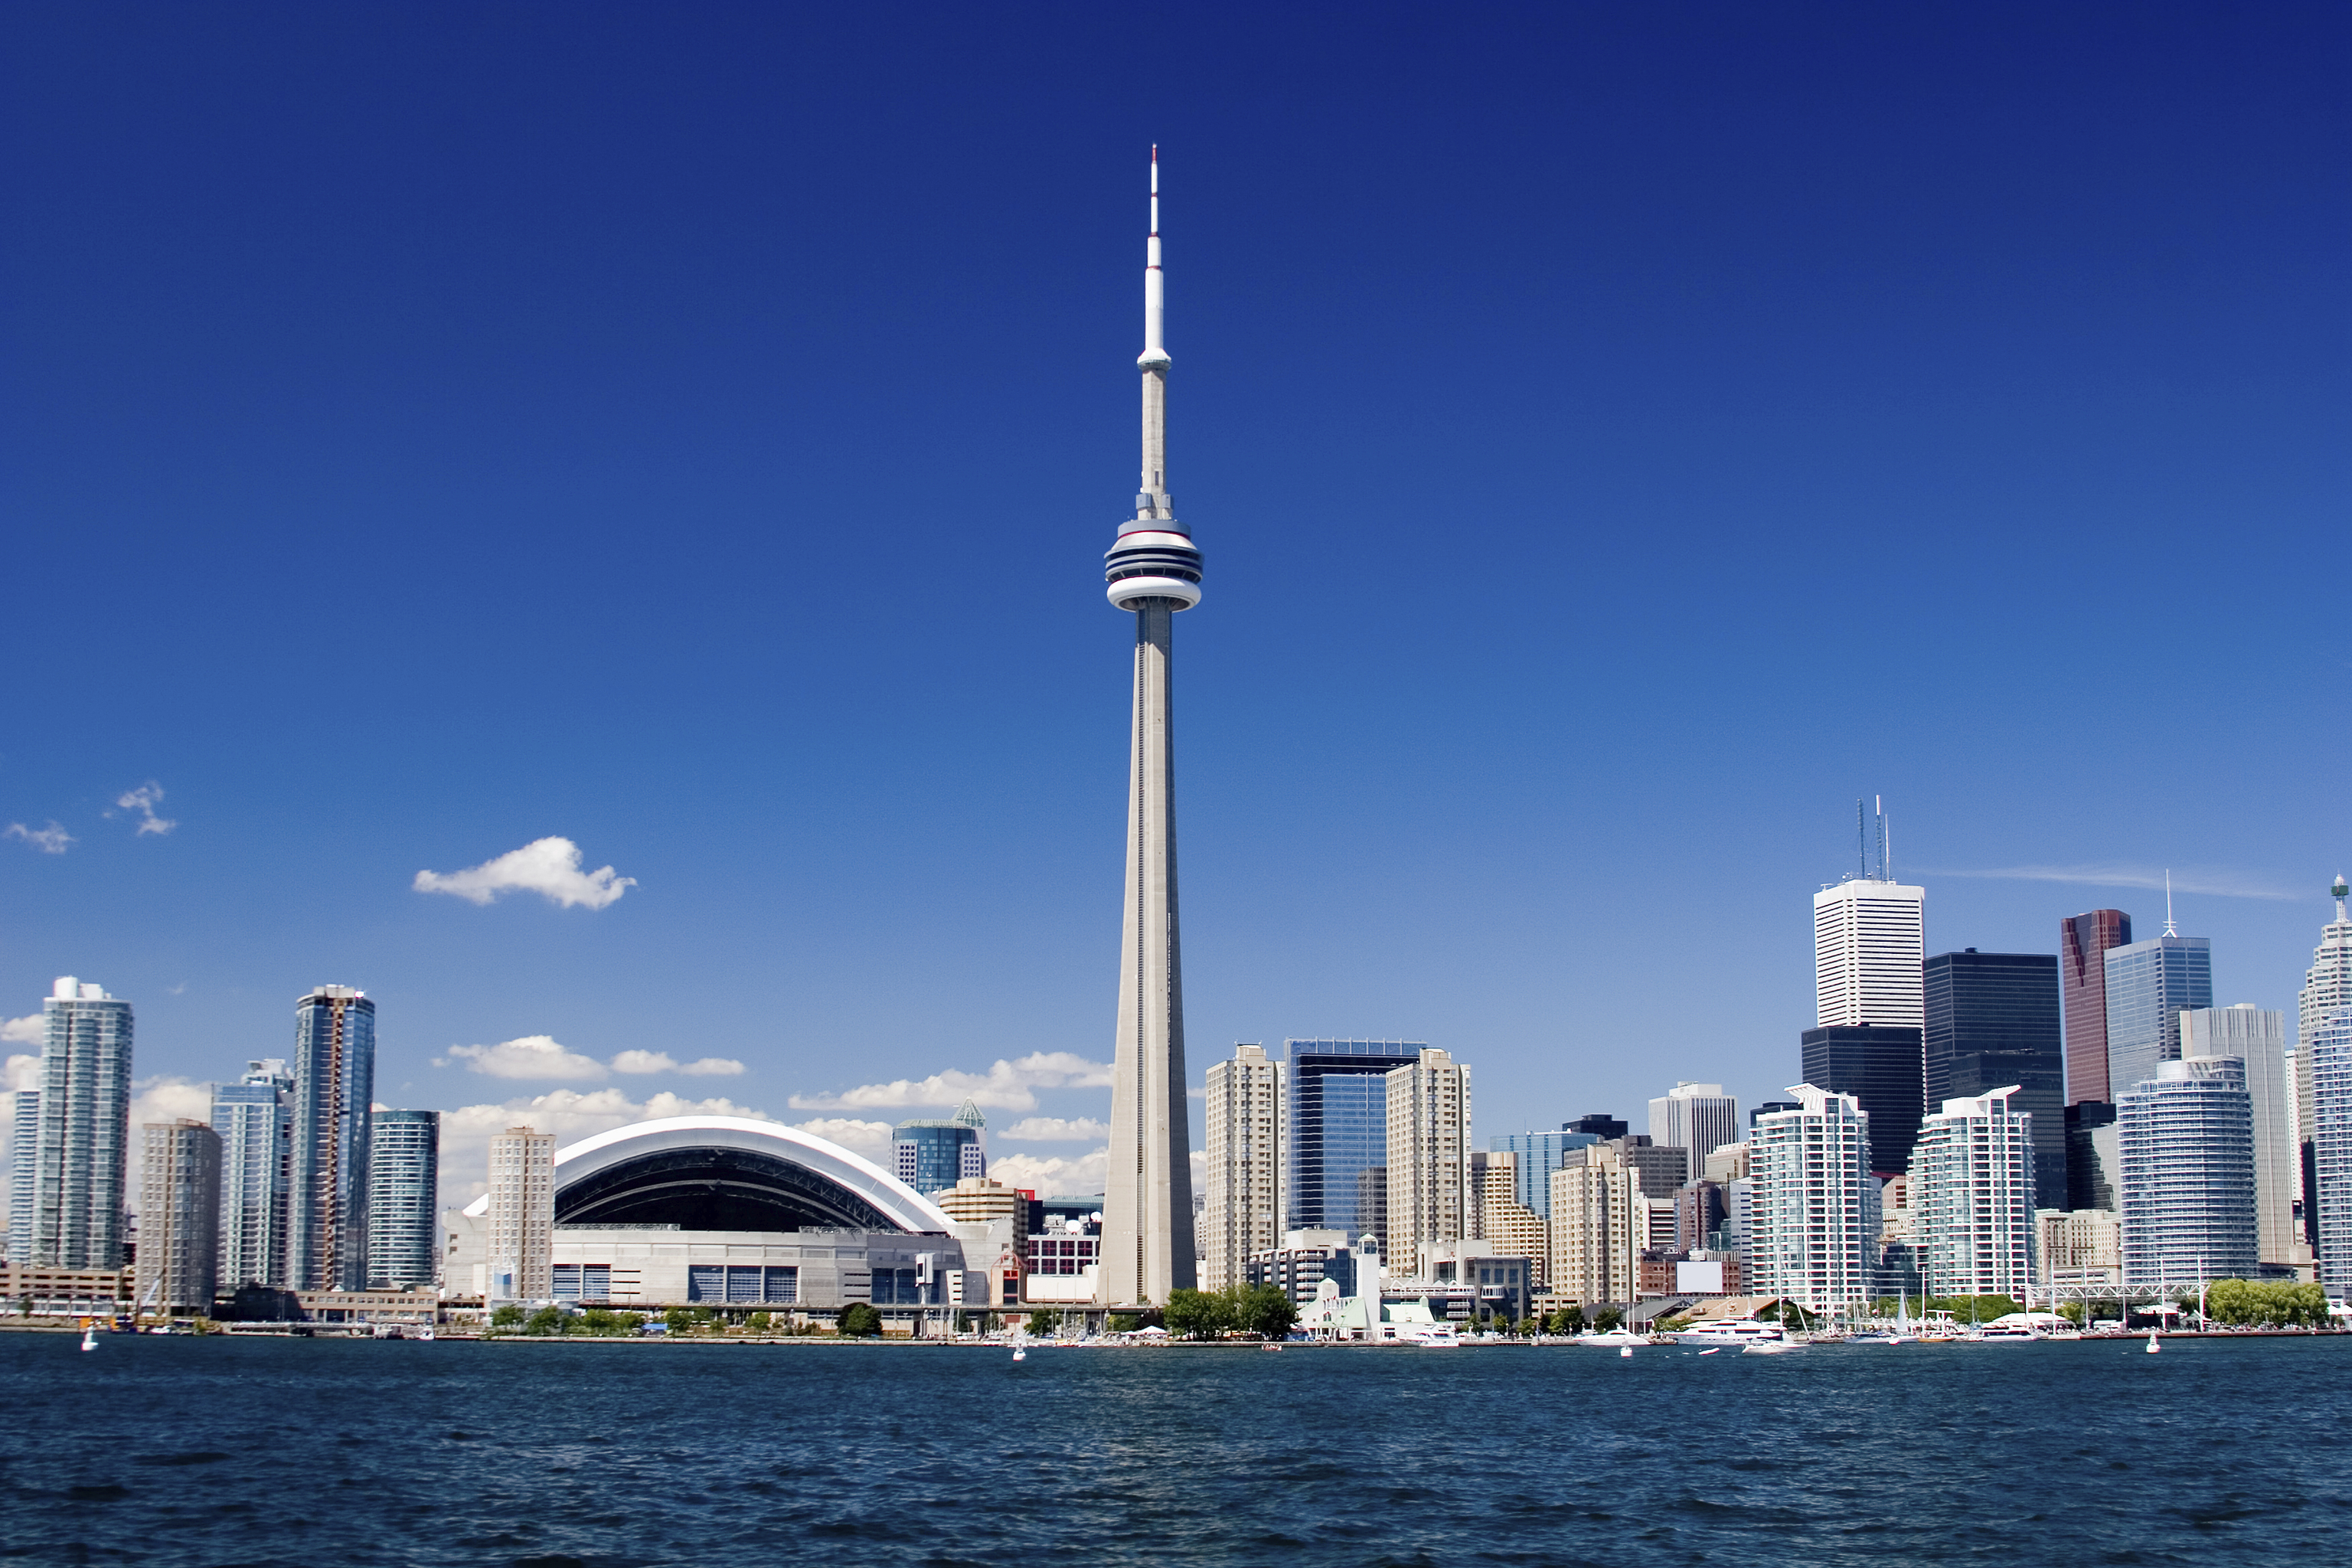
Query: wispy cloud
50	840
2118	874
662	1061
20	1073
548	867
1006	1086
533	1056
144	800
570	1114
162	1100
1047	1175
871	1139
1055	1129
32	1029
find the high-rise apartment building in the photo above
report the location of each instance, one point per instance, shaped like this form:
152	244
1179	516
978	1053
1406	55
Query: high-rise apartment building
1339	1134
1509	1227
334	1085
1536	1155
179	1216
1600	1224
1243	1214
1662	1168
1993	1021
1880	1065
404	1186
932	1156
2149	985
24	1143
2084	942
255	1119
81	1156
2328	1049
1972	1196
2326	991
521	1231
1697	1118
2187	1197
1869	940
1813	1206
1429	1149
2257	1037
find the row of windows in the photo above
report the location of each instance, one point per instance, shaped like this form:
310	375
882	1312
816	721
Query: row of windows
742	1284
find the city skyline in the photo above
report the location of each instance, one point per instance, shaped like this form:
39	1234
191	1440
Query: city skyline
554	804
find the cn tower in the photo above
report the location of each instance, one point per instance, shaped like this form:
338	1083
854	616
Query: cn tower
1154	571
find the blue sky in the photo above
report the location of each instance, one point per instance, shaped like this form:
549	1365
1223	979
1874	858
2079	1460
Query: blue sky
1620	438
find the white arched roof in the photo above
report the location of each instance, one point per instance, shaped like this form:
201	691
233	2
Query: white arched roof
907	1208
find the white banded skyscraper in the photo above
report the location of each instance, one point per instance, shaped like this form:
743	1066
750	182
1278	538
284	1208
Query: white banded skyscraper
82	1154
255	1119
334	1082
1154	571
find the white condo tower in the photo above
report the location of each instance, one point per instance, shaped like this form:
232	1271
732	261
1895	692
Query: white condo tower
1154	571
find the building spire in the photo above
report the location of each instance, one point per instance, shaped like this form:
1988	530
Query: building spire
1152	503
2340	891
2169	929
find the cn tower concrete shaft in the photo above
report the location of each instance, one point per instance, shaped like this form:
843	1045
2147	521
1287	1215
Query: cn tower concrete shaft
1154	570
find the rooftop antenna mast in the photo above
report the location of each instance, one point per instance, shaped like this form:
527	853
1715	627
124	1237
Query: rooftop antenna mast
2169	929
2340	892
1861	843
1879	802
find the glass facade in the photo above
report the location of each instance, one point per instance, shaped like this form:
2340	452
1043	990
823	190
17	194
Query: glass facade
254	1116
404	1179
2084	943
334	1083
750	1284
1540	1155
23	1138
2149	985
932	1156
1339	1132
1993	1021
1879	1066
2329	1051
82	1158
2187	1187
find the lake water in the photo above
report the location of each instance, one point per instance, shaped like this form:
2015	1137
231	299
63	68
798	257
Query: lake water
156	1450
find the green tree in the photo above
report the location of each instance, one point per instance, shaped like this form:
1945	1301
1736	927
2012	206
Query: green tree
1569	1321
1607	1318
858	1320
2266	1303
1266	1311
685	1320
599	1320
760	1322
1125	1322
507	1317
1198	1314
546	1320
2072	1312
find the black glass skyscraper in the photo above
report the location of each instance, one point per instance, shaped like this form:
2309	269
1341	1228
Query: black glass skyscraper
1878	1064
1339	1132
1992	1021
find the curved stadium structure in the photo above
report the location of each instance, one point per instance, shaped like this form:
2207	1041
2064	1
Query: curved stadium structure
725	1211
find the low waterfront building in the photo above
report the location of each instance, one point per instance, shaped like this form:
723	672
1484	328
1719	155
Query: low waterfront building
991	1221
44	1291
2079	1247
1307	1257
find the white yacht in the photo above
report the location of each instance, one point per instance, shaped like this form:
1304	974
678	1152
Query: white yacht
1731	1331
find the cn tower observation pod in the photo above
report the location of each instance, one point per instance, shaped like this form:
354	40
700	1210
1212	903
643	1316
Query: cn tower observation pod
699	1210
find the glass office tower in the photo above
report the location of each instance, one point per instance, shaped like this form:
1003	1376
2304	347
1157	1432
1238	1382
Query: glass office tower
2084	943
1878	1065
1538	1155
334	1084
1993	1021
255	1119
403	1178
2149	985
933	1156
81	1155
1339	1132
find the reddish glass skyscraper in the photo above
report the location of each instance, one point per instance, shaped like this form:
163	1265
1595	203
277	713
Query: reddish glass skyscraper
2083	941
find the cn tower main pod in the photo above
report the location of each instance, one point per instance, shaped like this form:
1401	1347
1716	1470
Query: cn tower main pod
1154	571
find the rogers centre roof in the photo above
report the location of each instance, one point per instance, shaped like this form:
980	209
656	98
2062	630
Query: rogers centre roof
728	1173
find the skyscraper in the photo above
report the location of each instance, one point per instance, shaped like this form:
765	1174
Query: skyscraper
520	1243
178	1215
24	1145
1430	1200
1972	1195
932	1156
2326	991
2083	941
1869	939
2257	1037
1813	1206
255	1119
1880	1066
1154	570
1697	1118
2149	985
2328	1206
1993	1020
334	1084
403	1185
2187	1202
1338	1137
82	1157
1243	1176
1600	1224
1535	1156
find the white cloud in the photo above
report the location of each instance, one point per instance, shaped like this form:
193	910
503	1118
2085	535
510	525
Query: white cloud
871	1139
570	1114
144	800
1055	1129
20	1073
32	1029
662	1061
162	1100
536	1056
1049	1177
549	866
1006	1085
49	840
2115	874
